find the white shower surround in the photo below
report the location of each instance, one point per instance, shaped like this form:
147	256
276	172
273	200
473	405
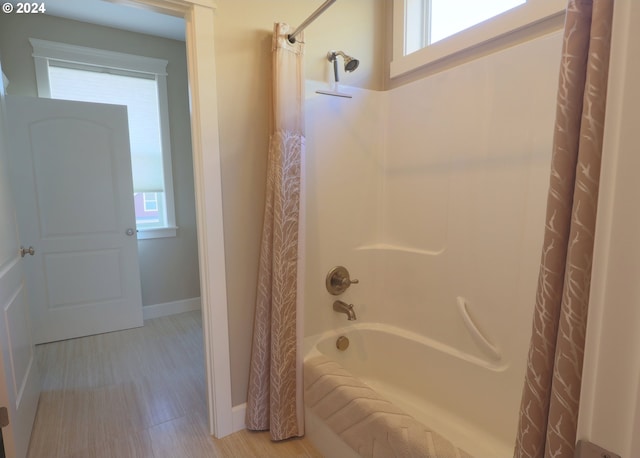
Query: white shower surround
434	190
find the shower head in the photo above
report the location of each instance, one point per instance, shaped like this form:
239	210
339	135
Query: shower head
350	63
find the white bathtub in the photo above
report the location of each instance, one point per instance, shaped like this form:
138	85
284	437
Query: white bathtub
456	394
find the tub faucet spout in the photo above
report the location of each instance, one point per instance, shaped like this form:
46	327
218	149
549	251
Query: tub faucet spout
345	308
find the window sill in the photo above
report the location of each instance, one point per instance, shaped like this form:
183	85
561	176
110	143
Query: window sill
515	26
157	233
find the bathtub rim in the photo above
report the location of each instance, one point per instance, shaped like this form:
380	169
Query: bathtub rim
310	346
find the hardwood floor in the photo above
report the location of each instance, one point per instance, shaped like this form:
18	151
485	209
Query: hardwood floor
137	393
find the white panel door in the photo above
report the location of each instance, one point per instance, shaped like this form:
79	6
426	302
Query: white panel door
71	175
20	381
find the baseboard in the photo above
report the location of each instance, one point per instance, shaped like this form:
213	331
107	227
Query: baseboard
238	413
170	308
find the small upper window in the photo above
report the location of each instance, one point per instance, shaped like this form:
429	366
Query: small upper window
426	31
429	21
89	75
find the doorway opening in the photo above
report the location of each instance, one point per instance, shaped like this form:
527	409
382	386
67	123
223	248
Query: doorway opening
208	201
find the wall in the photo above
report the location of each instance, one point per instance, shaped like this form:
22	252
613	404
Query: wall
343	181
465	186
243	59
465	180
444	195
168	266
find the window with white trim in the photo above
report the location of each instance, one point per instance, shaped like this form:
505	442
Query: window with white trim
90	75
150	204
426	31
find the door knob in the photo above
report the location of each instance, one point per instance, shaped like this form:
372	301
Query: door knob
130	232
25	251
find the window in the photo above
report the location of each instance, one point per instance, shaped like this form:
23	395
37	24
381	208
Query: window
89	75
429	21
150	204
426	31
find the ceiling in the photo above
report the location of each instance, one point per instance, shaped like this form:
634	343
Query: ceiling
109	14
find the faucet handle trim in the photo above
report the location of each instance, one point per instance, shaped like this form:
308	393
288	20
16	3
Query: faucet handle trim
338	280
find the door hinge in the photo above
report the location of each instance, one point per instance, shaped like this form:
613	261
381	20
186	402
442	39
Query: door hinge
4	417
586	449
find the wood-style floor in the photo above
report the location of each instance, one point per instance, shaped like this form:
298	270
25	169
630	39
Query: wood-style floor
137	393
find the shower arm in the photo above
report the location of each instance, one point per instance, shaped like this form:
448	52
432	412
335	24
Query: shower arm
335	68
309	20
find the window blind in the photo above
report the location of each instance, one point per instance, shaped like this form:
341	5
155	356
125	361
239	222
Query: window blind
139	95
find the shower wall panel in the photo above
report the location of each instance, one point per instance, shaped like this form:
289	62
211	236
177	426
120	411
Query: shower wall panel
466	174
466	169
434	190
343	166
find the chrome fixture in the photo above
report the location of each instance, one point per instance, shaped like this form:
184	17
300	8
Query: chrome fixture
345	308
338	280
350	63
25	251
342	343
334	93
310	19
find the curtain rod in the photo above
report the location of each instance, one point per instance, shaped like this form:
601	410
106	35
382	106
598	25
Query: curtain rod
310	19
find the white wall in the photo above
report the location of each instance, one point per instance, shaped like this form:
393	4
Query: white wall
466	174
433	190
465	185
343	168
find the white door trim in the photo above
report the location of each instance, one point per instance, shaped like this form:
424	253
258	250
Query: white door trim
199	18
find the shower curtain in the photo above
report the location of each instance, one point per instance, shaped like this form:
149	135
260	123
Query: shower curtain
275	379
551	394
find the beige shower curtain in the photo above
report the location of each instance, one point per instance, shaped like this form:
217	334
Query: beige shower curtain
549	406
275	379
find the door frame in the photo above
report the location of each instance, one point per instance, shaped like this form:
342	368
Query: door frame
199	21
